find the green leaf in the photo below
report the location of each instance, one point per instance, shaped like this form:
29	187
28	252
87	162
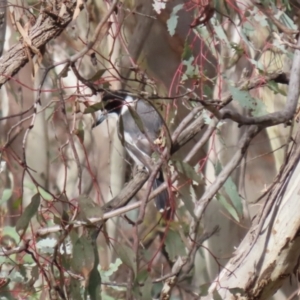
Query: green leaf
187	195
216	295
285	19
218	28
12	233
94	285
93	108
16	276
174	245
259	66
260	18
172	23
208	39
45	195
113	267
256	106
146	289
75	289
28	213
188	171
173	20
248	28
127	256
46	245
191	71
228	207
5	196
98	75
83	256
80	134
234	196
273	86
204	289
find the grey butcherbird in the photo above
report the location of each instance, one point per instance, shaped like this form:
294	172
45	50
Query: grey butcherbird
140	128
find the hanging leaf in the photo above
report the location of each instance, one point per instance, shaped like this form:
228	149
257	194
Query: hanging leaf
230	209
188	171
113	267
235	208
146	289
219	30
94	284
256	106
75	289
5	196
174	245
173	20
127	256
46	245
274	86
97	76
83	257
187	198
93	108
28	213
234	196
45	195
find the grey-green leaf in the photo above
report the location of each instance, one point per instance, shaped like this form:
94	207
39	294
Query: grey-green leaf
187	170
28	213
127	256
174	245
256	106
173	20
93	108
83	256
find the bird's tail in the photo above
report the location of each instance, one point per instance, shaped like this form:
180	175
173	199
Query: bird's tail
162	202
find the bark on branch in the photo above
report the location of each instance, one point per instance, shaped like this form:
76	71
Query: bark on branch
270	251
48	25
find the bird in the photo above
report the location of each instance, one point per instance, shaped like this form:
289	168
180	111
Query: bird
140	127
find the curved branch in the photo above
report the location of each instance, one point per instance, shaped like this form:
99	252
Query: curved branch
280	117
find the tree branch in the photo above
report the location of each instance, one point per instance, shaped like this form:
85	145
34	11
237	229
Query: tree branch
45	28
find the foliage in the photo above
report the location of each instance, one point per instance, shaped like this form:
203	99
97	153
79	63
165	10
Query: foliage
70	227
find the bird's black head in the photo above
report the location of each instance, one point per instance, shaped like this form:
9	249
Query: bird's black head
113	101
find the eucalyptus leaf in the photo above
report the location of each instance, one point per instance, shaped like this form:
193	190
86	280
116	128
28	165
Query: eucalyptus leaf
98	75
230	209
7	193
93	108
186	169
256	106
127	256
174	245
173	20
28	213
83	257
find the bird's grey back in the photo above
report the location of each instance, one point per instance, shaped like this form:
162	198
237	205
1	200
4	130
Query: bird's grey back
149	117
